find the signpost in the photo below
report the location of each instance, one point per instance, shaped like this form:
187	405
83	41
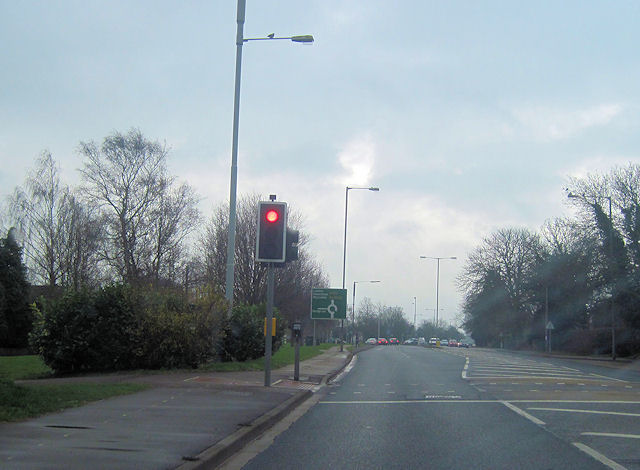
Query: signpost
328	304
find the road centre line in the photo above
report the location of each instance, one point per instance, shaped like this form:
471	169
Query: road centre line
599	457
401	402
611	434
596	412
464	370
523	413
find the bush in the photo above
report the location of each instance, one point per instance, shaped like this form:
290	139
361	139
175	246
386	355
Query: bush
85	330
176	334
118	328
244	334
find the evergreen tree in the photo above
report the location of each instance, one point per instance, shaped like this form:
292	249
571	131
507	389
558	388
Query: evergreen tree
15	314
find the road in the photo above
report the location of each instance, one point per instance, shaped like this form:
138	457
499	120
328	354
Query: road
413	407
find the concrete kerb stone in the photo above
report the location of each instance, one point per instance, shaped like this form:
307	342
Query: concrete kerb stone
215	455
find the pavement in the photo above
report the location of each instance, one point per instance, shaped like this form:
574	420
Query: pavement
184	420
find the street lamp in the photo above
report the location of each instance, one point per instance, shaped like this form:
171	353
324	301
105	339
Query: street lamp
583	198
231	243
344	248
353	310
437	280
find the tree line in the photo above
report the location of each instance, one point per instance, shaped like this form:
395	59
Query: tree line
580	275
131	222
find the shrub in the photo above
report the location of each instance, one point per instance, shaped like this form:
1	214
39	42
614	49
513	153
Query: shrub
85	330
244	334
118	328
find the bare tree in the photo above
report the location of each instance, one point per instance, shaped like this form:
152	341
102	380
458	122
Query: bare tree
145	218
294	280
60	234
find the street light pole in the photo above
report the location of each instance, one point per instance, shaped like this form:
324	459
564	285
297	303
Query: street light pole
231	242
233	190
437	280
344	246
415	311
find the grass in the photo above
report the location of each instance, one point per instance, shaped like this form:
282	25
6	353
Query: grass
283	357
19	402
23	367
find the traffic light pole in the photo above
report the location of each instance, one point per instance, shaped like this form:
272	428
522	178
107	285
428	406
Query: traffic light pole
268	338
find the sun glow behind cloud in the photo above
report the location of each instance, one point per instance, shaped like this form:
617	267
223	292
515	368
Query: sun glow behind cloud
358	157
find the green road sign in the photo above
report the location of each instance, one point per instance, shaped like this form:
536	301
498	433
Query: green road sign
328	304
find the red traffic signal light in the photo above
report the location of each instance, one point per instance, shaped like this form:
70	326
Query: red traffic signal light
271	232
272	216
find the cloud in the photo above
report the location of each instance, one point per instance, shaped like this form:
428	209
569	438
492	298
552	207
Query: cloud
357	158
552	124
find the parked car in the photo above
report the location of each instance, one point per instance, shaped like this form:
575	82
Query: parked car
433	341
394	341
463	344
453	343
422	341
444	342
371	341
411	341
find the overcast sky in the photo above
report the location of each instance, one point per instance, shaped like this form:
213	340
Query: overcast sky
468	115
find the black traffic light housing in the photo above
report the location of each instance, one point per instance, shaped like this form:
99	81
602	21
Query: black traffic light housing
272	231
291	249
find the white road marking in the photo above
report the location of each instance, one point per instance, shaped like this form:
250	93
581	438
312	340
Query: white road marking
611	434
522	413
191	378
465	368
400	402
572	410
599	457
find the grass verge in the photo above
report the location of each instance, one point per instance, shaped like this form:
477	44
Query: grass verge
23	367
19	402
283	357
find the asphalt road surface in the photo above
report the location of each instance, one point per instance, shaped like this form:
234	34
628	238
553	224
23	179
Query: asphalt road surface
413	407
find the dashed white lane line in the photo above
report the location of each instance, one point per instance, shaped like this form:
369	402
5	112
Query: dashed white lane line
599	457
522	413
611	434
595	412
465	368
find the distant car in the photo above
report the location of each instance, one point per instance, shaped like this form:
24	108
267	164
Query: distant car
463	344
383	341
422	341
444	342
453	343
411	341
433	341
394	341
371	341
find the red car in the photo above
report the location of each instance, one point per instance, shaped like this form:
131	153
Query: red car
383	341
394	341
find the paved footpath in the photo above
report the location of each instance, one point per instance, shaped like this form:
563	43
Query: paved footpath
184	420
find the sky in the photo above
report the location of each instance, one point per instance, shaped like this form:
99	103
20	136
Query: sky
469	116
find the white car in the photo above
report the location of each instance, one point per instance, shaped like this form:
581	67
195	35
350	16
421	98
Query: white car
371	341
433	341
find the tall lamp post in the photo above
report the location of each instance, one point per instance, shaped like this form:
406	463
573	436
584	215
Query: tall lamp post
437	280
240	40
353	309
344	247
583	198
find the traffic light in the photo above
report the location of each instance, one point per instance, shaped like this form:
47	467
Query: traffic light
272	230
291	248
